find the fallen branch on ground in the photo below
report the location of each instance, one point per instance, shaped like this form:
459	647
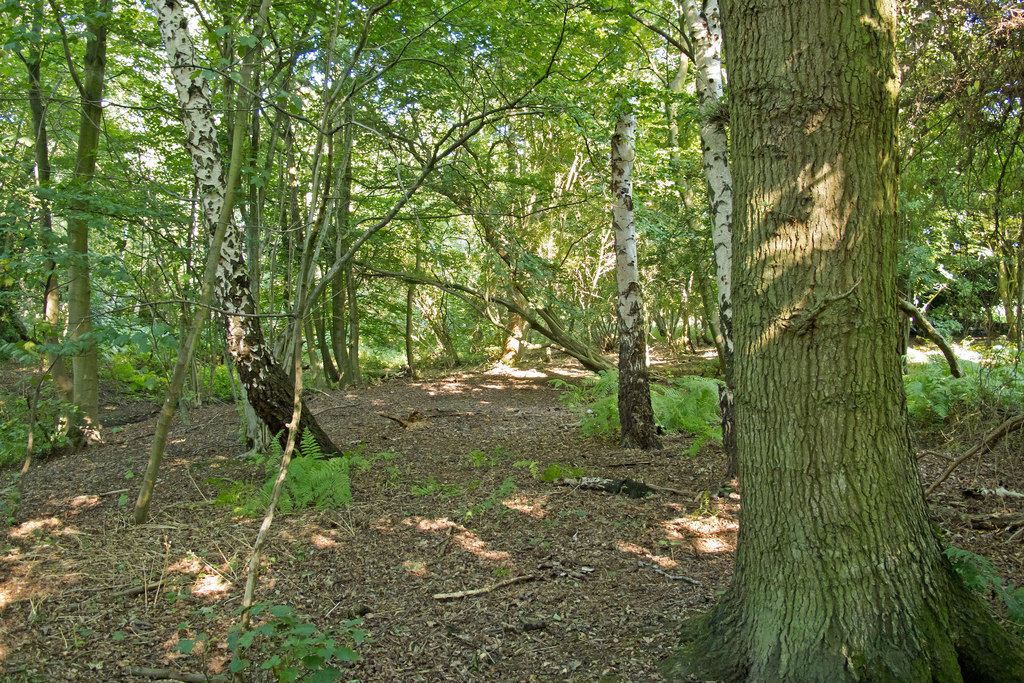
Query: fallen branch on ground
176	675
995	521
1002	492
487	589
674	577
624	487
990	440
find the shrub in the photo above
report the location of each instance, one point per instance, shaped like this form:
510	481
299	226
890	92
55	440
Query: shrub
932	392
687	404
312	481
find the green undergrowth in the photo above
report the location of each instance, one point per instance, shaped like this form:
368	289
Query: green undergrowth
687	404
981	575
313	481
933	393
283	643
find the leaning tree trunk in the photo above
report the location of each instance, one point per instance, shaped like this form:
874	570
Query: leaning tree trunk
267	386
636	416
705	30
838	575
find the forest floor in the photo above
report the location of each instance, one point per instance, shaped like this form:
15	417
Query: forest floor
587	586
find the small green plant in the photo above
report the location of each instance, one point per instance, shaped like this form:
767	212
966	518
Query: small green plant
493	501
10	499
297	648
556	471
480	458
980	575
50	427
432	487
531	466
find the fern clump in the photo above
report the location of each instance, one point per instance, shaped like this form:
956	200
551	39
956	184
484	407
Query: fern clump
932	392
981	575
687	404
312	481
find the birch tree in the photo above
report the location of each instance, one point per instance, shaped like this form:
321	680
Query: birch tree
704	27
636	416
267	386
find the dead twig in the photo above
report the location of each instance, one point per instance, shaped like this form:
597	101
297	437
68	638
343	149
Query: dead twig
176	675
991	439
487	589
671	577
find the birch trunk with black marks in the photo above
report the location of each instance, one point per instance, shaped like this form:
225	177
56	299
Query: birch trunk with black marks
636	416
839	575
267	386
704	26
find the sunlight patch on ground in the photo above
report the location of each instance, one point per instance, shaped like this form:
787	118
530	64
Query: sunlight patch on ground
466	539
634	549
534	507
502	370
50	525
924	354
415	568
186	565
210	585
322	542
706	534
80	503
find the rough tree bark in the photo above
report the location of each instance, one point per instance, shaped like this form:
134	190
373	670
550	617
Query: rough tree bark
636	416
839	575
267	386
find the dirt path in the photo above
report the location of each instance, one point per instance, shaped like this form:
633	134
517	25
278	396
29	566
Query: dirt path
449	504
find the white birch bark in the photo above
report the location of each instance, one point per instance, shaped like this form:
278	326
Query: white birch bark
636	415
705	29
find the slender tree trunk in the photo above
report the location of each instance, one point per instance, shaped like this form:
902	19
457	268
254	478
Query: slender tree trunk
410	300
267	386
636	416
838	575
51	292
85	362
705	30
325	348
352	373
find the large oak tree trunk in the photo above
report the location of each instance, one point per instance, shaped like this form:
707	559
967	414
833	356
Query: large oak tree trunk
267	386
838	575
636	416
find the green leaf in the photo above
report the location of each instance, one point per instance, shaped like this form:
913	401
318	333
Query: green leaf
328	675
185	646
239	664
